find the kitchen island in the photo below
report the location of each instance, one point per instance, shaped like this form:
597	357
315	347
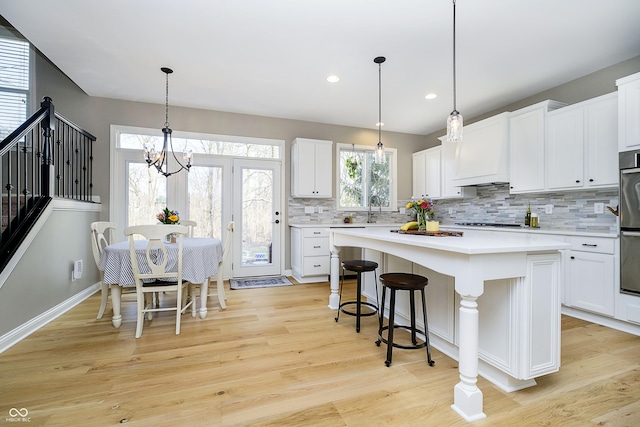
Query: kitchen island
529	268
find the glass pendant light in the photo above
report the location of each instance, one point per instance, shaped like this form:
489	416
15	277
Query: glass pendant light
454	121
380	156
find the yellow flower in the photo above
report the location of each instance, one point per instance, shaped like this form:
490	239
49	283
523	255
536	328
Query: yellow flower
173	218
409	205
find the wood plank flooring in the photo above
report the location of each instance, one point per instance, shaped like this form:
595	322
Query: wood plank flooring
276	357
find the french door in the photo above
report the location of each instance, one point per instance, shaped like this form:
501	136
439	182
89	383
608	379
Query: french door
258	217
216	190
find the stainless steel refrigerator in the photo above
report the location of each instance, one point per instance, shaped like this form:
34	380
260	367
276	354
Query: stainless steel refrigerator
630	222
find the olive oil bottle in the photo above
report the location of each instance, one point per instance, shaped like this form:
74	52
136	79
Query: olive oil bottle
527	216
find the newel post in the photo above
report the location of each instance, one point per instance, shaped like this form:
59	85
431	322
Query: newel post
48	130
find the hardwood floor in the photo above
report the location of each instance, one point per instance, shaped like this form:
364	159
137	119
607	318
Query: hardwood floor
276	357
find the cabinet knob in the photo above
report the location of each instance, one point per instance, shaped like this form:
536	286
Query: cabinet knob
573	257
577	181
590	179
511	187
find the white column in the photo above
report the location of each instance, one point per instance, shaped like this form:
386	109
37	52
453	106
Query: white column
334	297
467	397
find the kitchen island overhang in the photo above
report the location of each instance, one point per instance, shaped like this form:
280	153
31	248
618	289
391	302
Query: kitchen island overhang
471	260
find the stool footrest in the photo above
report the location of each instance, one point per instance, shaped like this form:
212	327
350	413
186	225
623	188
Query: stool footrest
397	345
351	313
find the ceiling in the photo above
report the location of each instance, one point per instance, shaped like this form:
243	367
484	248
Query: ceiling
272	58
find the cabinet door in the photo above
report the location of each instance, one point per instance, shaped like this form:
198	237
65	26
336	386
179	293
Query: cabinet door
602	142
565	148
432	172
448	156
629	113
526	139
305	155
323	169
419	174
591	282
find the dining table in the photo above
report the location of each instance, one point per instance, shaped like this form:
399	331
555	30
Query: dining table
201	260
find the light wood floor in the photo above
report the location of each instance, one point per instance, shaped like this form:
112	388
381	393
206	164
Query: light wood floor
276	357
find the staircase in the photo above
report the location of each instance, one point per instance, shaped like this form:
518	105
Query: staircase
47	156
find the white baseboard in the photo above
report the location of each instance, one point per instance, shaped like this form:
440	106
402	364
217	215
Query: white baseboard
13	337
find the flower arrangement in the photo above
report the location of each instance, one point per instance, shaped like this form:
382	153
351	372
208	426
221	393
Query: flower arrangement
423	208
168	217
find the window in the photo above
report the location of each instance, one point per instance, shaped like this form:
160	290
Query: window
363	183
14	81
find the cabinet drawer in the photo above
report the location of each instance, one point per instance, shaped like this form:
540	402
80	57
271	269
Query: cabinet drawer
316	246
314	265
315	232
600	245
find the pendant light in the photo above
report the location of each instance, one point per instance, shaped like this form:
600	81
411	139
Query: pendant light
454	121
379	153
160	159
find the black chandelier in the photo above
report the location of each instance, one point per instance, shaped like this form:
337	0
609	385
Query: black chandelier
160	159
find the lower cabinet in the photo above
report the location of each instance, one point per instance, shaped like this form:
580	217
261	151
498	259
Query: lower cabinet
310	254
591	275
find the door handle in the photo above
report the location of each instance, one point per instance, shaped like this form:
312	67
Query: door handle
277	221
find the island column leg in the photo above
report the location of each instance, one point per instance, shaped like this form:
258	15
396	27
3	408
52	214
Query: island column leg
334	297
467	397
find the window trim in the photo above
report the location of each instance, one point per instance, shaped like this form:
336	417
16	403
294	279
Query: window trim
393	179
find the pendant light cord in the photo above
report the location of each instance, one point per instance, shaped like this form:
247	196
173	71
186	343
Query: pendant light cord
166	100
454	56
380	102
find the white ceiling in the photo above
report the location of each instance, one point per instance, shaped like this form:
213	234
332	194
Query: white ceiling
271	58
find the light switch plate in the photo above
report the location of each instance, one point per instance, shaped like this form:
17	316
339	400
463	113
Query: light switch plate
548	209
308	209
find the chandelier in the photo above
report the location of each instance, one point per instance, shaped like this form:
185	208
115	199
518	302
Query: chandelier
379	153
160	159
454	121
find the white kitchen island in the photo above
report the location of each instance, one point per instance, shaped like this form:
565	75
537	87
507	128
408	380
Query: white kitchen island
528	268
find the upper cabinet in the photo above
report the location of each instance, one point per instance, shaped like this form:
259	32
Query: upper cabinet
582	145
629	112
527	147
311	168
433	173
482	156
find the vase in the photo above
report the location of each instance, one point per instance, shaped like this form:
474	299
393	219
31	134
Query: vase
422	220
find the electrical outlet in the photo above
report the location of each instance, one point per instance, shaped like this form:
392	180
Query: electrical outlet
402	211
548	209
452	211
320	209
308	209
598	208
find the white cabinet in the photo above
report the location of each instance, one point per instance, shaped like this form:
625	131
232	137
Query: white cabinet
527	147
310	254
482	156
629	112
591	281
433	173
311	168
582	145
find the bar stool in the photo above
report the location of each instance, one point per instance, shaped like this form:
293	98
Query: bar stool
358	266
403	282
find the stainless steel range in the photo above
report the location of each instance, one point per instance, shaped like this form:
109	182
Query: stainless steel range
630	222
487	224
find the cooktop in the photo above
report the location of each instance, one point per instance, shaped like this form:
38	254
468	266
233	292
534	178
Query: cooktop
487	224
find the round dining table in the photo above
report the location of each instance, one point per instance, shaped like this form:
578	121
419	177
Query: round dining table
201	260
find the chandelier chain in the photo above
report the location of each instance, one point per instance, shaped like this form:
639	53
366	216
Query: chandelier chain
454	56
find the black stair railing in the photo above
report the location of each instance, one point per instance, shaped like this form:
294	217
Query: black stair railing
47	156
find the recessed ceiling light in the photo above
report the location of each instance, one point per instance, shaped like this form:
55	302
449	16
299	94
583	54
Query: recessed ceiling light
431	96
333	79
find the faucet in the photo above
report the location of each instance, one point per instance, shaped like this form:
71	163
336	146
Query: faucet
371	201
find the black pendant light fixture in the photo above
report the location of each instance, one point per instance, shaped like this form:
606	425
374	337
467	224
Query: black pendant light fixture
160	159
454	121
379	153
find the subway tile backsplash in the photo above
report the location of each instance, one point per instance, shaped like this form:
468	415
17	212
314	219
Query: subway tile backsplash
572	210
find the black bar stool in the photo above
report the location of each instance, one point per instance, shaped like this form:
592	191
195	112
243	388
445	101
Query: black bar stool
358	266
403	282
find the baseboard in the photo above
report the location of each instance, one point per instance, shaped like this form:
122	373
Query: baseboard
13	337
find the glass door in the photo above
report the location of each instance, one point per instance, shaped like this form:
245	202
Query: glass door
257	213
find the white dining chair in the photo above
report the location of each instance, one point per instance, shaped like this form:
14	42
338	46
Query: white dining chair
219	276
190	224
150	271
101	237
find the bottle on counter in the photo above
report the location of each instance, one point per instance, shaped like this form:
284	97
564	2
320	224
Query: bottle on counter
527	215
534	220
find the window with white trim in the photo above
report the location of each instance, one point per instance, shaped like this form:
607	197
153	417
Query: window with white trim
363	183
14	80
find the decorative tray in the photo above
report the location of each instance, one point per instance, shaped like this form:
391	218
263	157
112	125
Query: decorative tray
430	233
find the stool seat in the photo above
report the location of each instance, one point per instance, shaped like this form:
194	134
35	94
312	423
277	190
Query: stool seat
403	282
359	266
